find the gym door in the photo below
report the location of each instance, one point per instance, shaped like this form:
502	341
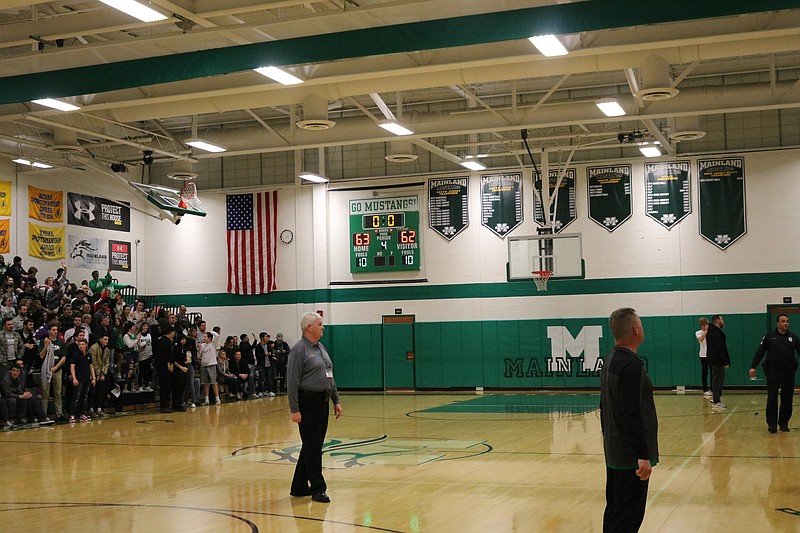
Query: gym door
398	352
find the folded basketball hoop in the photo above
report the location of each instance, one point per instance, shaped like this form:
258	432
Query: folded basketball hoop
540	278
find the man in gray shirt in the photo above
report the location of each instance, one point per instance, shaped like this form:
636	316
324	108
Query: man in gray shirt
310	386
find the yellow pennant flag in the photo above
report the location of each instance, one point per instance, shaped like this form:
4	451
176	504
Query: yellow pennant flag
45	242
47	206
5	198
5	241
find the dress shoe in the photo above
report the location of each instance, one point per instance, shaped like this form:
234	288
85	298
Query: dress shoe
165	410
180	408
320	497
300	493
785	428
773	429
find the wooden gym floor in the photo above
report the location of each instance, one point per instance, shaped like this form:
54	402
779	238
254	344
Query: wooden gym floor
399	463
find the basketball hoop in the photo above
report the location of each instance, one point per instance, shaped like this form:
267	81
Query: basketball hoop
540	278
188	196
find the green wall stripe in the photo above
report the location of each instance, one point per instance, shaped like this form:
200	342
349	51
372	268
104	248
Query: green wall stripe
503	289
428	35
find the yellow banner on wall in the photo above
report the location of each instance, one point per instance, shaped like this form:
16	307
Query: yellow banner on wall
5	241
45	243
5	198
47	206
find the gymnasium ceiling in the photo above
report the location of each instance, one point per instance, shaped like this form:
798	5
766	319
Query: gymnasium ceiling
465	85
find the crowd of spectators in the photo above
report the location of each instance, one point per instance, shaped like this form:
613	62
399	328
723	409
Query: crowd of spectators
70	352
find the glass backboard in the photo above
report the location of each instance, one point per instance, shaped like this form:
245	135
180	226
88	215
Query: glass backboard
166	198
560	253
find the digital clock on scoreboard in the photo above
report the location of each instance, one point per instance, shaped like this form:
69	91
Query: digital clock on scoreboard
384	242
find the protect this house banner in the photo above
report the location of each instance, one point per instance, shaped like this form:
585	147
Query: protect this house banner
563	211
610	202
501	202
722	200
667	192
47	206
448	206
96	212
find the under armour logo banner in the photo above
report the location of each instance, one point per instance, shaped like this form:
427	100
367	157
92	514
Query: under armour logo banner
96	212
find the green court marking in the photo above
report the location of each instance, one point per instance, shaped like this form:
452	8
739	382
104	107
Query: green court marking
518	403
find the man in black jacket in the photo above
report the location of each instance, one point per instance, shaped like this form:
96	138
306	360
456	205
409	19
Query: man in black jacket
163	360
780	366
629	423
718	358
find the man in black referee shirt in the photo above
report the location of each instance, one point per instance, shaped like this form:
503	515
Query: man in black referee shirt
780	365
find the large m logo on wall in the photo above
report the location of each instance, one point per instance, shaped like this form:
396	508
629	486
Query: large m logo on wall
564	347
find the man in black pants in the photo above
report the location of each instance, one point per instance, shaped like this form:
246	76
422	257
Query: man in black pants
780	366
163	359
310	387
718	359
630	426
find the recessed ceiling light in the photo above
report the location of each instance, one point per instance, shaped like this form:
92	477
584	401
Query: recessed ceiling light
548	45
394	127
281	76
473	165
205	145
610	107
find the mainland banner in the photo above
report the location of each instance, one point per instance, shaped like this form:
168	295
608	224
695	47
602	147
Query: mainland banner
448	206
5	198
5	240
609	195
722	200
501	202
96	212
87	252
46	242
563	211
47	206
667	192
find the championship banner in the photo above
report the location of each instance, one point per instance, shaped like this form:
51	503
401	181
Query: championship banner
5	241
610	202
119	253
667	192
96	212
722	200
501	202
563	211
87	252
448	206
5	198
45	242
47	206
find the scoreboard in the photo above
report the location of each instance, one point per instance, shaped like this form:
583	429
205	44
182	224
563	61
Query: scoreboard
384	235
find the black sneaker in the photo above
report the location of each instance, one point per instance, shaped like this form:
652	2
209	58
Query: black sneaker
785	428
773	429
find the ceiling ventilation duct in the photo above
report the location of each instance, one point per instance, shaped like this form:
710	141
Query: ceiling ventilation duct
65	141
401	152
182	170
656	80
315	114
686	129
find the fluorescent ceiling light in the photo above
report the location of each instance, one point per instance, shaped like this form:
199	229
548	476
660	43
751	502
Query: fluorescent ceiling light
548	45
650	150
32	163
205	145
478	156
315	178
136	10
283	77
394	127
56	104
610	107
473	165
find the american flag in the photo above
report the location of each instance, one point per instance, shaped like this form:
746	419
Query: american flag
252	237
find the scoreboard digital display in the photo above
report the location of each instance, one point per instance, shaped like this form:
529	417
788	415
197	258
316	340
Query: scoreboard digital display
384	235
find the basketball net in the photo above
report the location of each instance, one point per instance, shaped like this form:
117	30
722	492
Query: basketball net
188	196
540	278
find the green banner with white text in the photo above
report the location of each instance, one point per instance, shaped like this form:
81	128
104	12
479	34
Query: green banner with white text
609	195
722	200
